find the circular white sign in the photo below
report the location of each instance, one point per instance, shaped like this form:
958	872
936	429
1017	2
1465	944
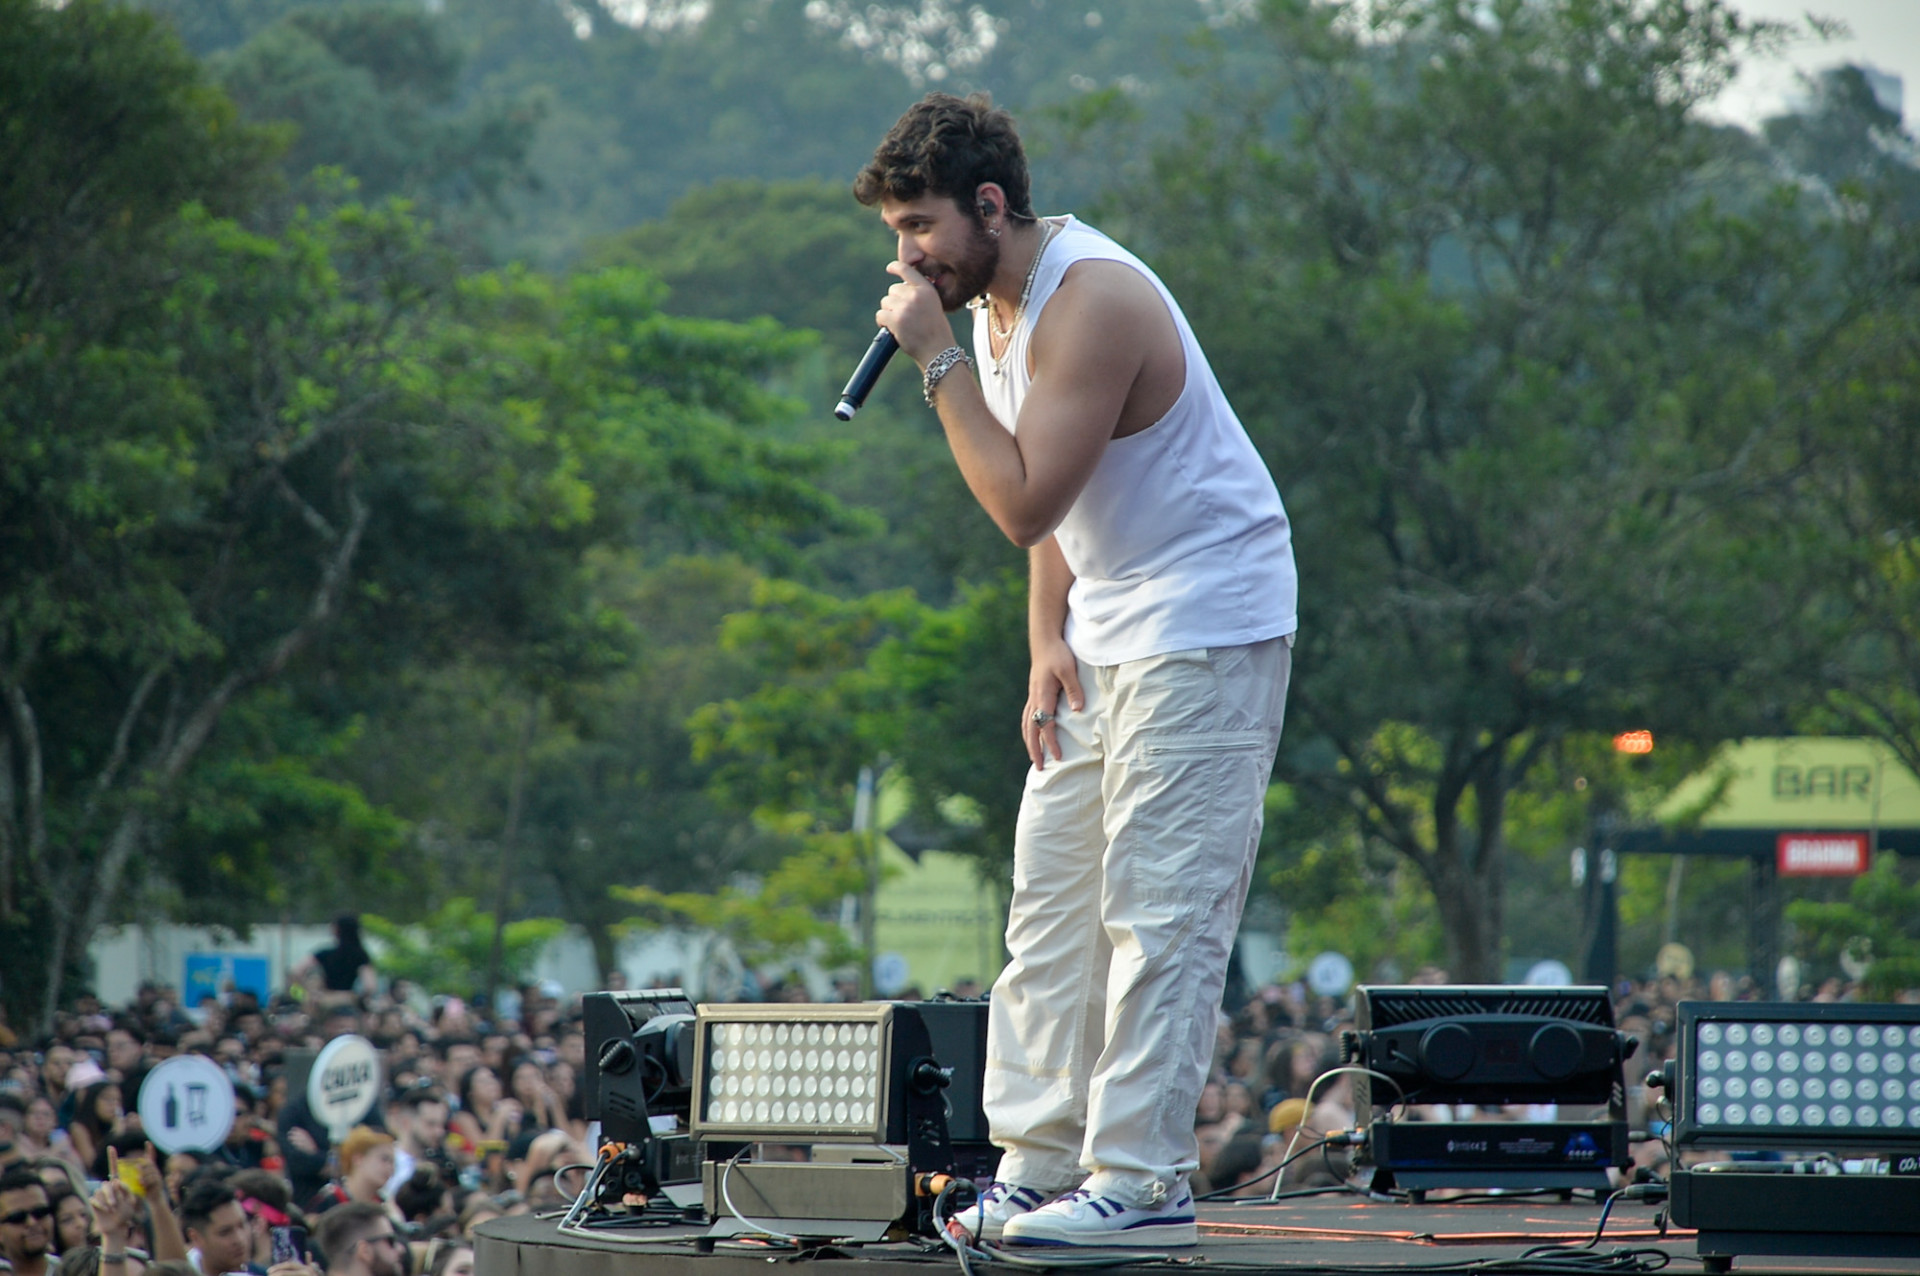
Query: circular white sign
1549	974
1786	978
344	1084
890	974
186	1104
1330	974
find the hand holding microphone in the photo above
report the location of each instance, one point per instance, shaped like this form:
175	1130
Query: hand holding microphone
902	310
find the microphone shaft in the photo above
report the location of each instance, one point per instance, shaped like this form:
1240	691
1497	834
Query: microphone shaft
872	364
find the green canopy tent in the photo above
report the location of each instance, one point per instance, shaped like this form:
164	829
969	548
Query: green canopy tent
1801	806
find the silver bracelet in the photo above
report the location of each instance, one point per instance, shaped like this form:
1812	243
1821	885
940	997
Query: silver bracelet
939	366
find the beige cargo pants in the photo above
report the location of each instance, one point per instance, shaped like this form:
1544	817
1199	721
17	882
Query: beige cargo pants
1131	864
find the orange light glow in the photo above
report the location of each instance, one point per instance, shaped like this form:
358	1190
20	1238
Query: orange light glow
1633	742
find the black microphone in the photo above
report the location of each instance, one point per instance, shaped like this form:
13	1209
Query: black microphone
860	384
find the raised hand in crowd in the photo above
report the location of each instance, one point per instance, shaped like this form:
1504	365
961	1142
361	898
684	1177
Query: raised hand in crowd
114	1209
169	1241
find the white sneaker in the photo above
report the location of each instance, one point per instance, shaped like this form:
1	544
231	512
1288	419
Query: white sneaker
1087	1218
985	1218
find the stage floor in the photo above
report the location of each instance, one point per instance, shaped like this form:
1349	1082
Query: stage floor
1318	1234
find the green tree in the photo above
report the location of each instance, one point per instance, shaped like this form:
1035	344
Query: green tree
1878	924
879	680
806	254
960	676
1863	454
617	796
776	921
1847	139
1519	373
241	462
449	950
372	90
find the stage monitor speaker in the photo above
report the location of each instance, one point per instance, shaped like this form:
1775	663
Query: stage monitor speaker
1488	1046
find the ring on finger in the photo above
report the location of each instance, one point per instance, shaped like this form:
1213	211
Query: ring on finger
1041	717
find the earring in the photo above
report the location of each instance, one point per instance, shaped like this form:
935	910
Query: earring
994	231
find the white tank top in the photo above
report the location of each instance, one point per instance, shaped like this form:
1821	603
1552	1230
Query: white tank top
1179	539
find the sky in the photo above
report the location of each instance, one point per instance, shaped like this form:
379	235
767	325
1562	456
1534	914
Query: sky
1884	34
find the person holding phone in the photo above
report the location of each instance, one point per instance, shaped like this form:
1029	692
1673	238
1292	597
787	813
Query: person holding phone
271	1218
217	1230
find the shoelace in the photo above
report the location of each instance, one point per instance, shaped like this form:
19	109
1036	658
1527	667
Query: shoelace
1107	1207
995	1193
1104	1206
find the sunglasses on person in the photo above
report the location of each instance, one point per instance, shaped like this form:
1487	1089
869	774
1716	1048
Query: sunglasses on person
31	1213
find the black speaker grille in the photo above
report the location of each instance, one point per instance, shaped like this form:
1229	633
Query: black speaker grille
1389	1007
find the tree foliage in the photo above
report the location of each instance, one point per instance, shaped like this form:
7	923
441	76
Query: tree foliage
449	950
255	473
335	565
779	920
1522	373
372	90
1878	924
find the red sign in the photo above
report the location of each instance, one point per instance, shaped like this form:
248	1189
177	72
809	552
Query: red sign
1822	854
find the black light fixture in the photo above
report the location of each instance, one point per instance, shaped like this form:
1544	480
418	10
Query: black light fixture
861	1088
1488	1046
1835	1088
638	1084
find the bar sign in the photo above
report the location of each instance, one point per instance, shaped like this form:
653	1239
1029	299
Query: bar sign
1822	854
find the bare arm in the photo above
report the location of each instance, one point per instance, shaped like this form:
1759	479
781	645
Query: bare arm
1054	668
1088	350
168	1240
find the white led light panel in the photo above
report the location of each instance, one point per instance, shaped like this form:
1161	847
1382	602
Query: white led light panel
1841	1075
810	1077
1813	1074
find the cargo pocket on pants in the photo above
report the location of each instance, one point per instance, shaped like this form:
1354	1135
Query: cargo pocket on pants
1193	801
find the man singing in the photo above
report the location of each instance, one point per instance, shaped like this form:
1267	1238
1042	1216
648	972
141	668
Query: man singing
1161	620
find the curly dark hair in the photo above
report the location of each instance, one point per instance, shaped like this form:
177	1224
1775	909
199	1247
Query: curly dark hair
945	145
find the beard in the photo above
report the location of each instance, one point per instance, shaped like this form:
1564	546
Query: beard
966	276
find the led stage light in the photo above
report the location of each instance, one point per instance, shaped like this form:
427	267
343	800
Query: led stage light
807	1074
837	1074
1784	1075
1812	1078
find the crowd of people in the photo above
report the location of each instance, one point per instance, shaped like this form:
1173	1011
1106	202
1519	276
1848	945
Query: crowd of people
478	1118
483	1116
